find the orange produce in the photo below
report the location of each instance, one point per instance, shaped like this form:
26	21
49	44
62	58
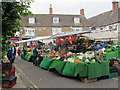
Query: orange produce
62	53
100	50
30	52
7	60
77	61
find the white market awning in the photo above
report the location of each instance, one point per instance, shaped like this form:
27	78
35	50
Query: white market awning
69	33
34	39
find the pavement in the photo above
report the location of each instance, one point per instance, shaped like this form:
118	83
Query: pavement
19	83
36	77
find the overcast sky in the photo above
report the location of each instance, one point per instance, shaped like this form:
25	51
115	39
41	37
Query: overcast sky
91	7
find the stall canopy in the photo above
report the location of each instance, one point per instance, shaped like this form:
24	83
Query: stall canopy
70	33
97	34
91	34
34	39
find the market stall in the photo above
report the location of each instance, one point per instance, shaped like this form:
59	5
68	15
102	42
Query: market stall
78	55
92	70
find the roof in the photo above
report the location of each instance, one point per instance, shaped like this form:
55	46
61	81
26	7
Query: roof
45	20
104	19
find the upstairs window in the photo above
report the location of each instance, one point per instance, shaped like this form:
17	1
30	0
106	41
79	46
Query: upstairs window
31	20
76	20
55	20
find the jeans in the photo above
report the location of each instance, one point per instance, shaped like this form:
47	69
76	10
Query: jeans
24	55
35	61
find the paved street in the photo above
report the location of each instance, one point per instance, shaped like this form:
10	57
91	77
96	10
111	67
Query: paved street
37	77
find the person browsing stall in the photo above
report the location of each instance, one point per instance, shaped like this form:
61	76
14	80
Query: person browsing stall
35	54
9	54
18	51
51	47
24	50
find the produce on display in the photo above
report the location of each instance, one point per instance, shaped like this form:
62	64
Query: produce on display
79	55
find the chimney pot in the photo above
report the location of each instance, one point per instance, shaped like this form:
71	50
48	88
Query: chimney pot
114	5
50	9
82	12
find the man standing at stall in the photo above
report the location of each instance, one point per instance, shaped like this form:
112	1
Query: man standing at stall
9	54
35	55
51	47
33	49
24	50
13	52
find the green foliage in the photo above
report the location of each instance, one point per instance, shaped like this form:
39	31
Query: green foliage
11	15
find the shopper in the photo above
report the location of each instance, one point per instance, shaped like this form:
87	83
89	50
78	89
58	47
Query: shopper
9	54
18	51
35	55
33	49
24	50
51	47
13	53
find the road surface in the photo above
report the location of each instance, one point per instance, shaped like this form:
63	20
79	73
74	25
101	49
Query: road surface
36	77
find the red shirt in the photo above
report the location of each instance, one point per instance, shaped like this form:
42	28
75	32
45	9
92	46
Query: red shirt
58	41
18	50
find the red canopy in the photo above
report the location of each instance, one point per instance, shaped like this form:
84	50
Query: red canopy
14	38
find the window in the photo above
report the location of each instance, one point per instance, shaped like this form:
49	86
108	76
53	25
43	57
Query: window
55	20
29	32
77	29
76	20
56	30
31	20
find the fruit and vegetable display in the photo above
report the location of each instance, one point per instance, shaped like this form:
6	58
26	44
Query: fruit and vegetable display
88	56
82	50
6	61
29	52
29	49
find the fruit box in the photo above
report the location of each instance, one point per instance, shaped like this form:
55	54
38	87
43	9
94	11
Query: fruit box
9	81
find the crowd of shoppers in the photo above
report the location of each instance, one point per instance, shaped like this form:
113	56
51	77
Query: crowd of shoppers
11	52
14	49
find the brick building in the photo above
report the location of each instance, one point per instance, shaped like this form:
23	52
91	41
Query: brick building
50	24
109	20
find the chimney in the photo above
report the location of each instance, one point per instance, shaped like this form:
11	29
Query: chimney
82	12
50	9
114	4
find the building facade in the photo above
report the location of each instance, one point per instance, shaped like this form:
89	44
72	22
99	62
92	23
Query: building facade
49	24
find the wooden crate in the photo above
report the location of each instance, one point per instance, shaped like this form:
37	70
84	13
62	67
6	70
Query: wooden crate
86	80
119	71
116	62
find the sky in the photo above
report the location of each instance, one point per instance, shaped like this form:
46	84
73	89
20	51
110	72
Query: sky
91	7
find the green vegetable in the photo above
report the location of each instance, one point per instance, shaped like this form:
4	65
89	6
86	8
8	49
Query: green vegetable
93	60
87	60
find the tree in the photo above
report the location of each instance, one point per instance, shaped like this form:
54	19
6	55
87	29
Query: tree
11	15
